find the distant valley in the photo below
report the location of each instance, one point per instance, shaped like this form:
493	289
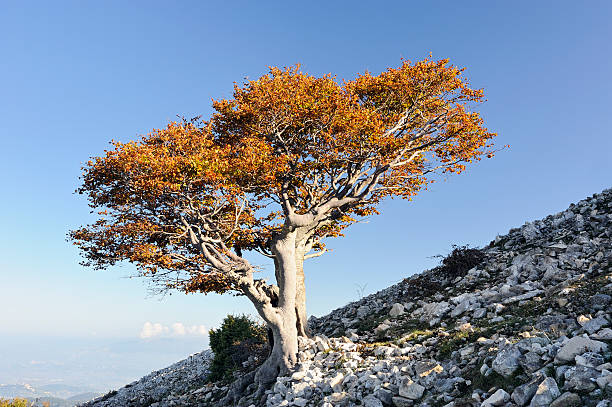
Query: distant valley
58	395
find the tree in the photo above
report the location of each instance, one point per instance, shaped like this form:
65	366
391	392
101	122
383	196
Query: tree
290	160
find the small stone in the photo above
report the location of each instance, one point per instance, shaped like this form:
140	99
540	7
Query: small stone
461	308
567	399
582	319
547	391
384	395
589	359
337	397
300	402
523	393
581	379
604	334
604	381
595	324
396	310
530	362
371	401
562	302
465	327
499	398
410	389
298	375
479	313
402	402
363	311
577	346
336	382
507	361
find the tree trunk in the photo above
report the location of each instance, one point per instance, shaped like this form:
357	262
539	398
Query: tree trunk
284	321
300	296
281	319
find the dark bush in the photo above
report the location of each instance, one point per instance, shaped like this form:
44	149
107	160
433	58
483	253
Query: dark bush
238	338
460	260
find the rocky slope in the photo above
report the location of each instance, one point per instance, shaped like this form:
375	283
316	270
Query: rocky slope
171	386
528	325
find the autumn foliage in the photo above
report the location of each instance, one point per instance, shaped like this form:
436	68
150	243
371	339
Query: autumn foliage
287	143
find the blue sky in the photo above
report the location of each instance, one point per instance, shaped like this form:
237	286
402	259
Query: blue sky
75	75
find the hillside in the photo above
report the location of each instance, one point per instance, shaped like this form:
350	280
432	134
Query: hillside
523	321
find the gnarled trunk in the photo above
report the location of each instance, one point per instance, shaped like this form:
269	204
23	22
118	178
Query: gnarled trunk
281	318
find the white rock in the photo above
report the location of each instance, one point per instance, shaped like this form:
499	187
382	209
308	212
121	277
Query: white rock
396	310
595	324
381	328
336	382
547	391
577	346
605	334
499	398
410	389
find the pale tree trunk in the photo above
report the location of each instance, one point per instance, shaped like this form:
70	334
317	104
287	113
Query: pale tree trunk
300	296
281	318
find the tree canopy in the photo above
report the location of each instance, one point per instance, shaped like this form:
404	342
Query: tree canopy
315	153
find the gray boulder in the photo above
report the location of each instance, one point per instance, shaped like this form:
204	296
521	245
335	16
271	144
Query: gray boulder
524	393
410	389
581	379
567	399
595	324
371	401
577	346
499	398
396	310
547	391
507	361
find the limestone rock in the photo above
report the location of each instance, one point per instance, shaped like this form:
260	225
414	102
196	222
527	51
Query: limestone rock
507	361
547	391
567	399
525	392
576	346
396	310
499	398
371	401
410	389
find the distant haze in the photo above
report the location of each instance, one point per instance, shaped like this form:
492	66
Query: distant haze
88	364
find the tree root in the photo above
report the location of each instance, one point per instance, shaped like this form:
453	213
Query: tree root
251	388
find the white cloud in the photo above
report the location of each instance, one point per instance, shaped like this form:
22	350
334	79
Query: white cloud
150	330
177	329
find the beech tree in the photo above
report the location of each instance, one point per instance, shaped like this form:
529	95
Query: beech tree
290	160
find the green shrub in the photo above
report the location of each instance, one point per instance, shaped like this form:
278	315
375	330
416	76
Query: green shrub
238	338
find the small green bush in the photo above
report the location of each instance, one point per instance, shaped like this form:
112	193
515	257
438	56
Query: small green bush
238	338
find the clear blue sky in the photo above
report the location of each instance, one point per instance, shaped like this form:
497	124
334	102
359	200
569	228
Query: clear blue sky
75	75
